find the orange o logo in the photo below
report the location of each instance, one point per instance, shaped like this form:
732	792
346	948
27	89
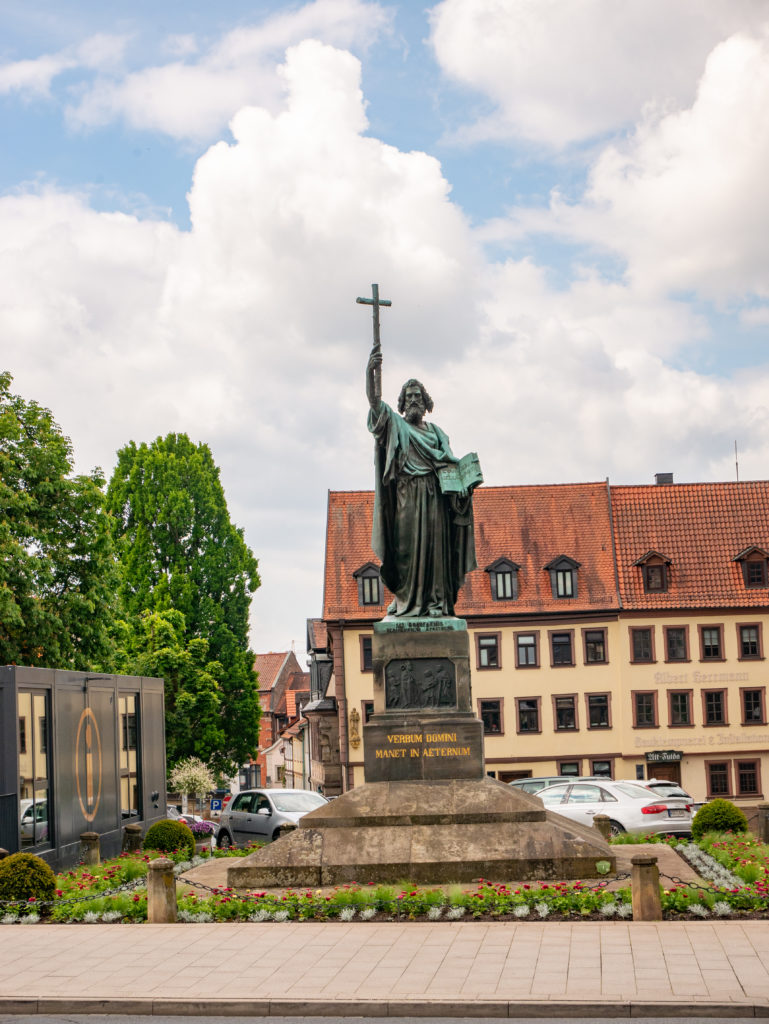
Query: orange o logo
88	730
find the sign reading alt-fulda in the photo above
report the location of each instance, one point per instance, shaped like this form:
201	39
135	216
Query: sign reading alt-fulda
423	747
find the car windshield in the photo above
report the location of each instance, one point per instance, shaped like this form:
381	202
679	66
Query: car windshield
289	803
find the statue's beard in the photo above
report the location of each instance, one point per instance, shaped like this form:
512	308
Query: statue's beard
415	412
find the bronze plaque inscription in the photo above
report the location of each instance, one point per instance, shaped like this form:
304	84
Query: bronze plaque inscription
417	747
418	683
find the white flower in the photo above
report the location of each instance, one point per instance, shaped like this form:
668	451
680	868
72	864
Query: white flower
91	917
280	915
625	910
542	909
454	913
368	913
699	910
9	919
260	915
111	915
521	911
29	919
722	909
608	910
347	914
434	913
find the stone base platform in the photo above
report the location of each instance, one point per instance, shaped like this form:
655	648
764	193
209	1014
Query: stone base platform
428	832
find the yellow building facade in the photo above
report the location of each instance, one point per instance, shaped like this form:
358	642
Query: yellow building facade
613	631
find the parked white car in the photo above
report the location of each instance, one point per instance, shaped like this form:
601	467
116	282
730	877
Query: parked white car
261	813
630	807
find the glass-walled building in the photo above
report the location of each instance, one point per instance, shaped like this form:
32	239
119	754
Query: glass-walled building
79	752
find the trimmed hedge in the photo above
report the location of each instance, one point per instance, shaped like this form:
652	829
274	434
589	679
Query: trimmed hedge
718	816
168	835
23	876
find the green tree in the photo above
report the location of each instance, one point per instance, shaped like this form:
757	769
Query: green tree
57	567
178	550
156	644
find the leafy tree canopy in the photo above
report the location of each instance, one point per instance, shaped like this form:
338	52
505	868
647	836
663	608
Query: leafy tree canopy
179	551
57	569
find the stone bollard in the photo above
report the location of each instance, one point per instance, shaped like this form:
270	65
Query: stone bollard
90	851
762	828
603	823
161	892
132	838
645	888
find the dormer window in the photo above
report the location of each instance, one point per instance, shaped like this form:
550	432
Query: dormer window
369	584
754	567
503	579
563	576
656	572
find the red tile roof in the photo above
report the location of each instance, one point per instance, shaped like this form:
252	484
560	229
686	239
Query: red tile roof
316	629
700	528
529	525
268	666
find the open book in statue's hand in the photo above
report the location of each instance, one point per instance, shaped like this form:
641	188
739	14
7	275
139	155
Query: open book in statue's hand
461	477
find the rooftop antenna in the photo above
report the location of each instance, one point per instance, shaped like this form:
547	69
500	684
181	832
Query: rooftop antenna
736	462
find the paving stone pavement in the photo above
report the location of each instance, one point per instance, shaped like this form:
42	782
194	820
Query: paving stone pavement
494	969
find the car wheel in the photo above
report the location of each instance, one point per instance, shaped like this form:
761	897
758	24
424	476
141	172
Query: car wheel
276	834
225	840
615	828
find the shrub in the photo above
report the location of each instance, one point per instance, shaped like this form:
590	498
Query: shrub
23	876
167	836
718	816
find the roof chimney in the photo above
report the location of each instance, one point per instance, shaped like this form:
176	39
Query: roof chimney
663	478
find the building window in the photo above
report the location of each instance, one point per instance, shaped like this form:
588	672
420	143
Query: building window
645	709
528	714
655	579
487	649
714	707
526	650
750	641
598	711
368	710
22	735
130	759
748	779
563	576
710	643
753	562
717	778
369	584
571	768
642	646
602	768
490	712
565	713
680	707
561	648
752	706
503	579
675	644
366	657
595	646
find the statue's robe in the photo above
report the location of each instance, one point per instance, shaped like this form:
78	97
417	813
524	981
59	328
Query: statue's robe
424	538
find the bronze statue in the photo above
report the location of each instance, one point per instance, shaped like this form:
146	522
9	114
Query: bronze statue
423	510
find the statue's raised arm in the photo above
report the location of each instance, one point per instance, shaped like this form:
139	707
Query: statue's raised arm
374	378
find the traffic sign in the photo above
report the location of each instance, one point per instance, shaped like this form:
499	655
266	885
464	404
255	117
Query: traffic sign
216	805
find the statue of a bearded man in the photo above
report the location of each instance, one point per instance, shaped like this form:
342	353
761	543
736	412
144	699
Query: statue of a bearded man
423	510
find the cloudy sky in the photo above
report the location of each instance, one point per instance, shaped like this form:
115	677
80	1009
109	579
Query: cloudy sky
565	200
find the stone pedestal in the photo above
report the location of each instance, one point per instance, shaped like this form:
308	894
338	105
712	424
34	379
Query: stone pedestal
427	813
423	726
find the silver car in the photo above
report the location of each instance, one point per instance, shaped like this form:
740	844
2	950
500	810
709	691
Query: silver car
629	807
259	814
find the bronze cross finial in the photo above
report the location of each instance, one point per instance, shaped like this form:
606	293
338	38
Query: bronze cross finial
376	302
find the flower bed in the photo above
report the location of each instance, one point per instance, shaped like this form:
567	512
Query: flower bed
738	866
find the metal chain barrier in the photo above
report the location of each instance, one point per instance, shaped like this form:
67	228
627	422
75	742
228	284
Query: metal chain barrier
135	883
710	887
